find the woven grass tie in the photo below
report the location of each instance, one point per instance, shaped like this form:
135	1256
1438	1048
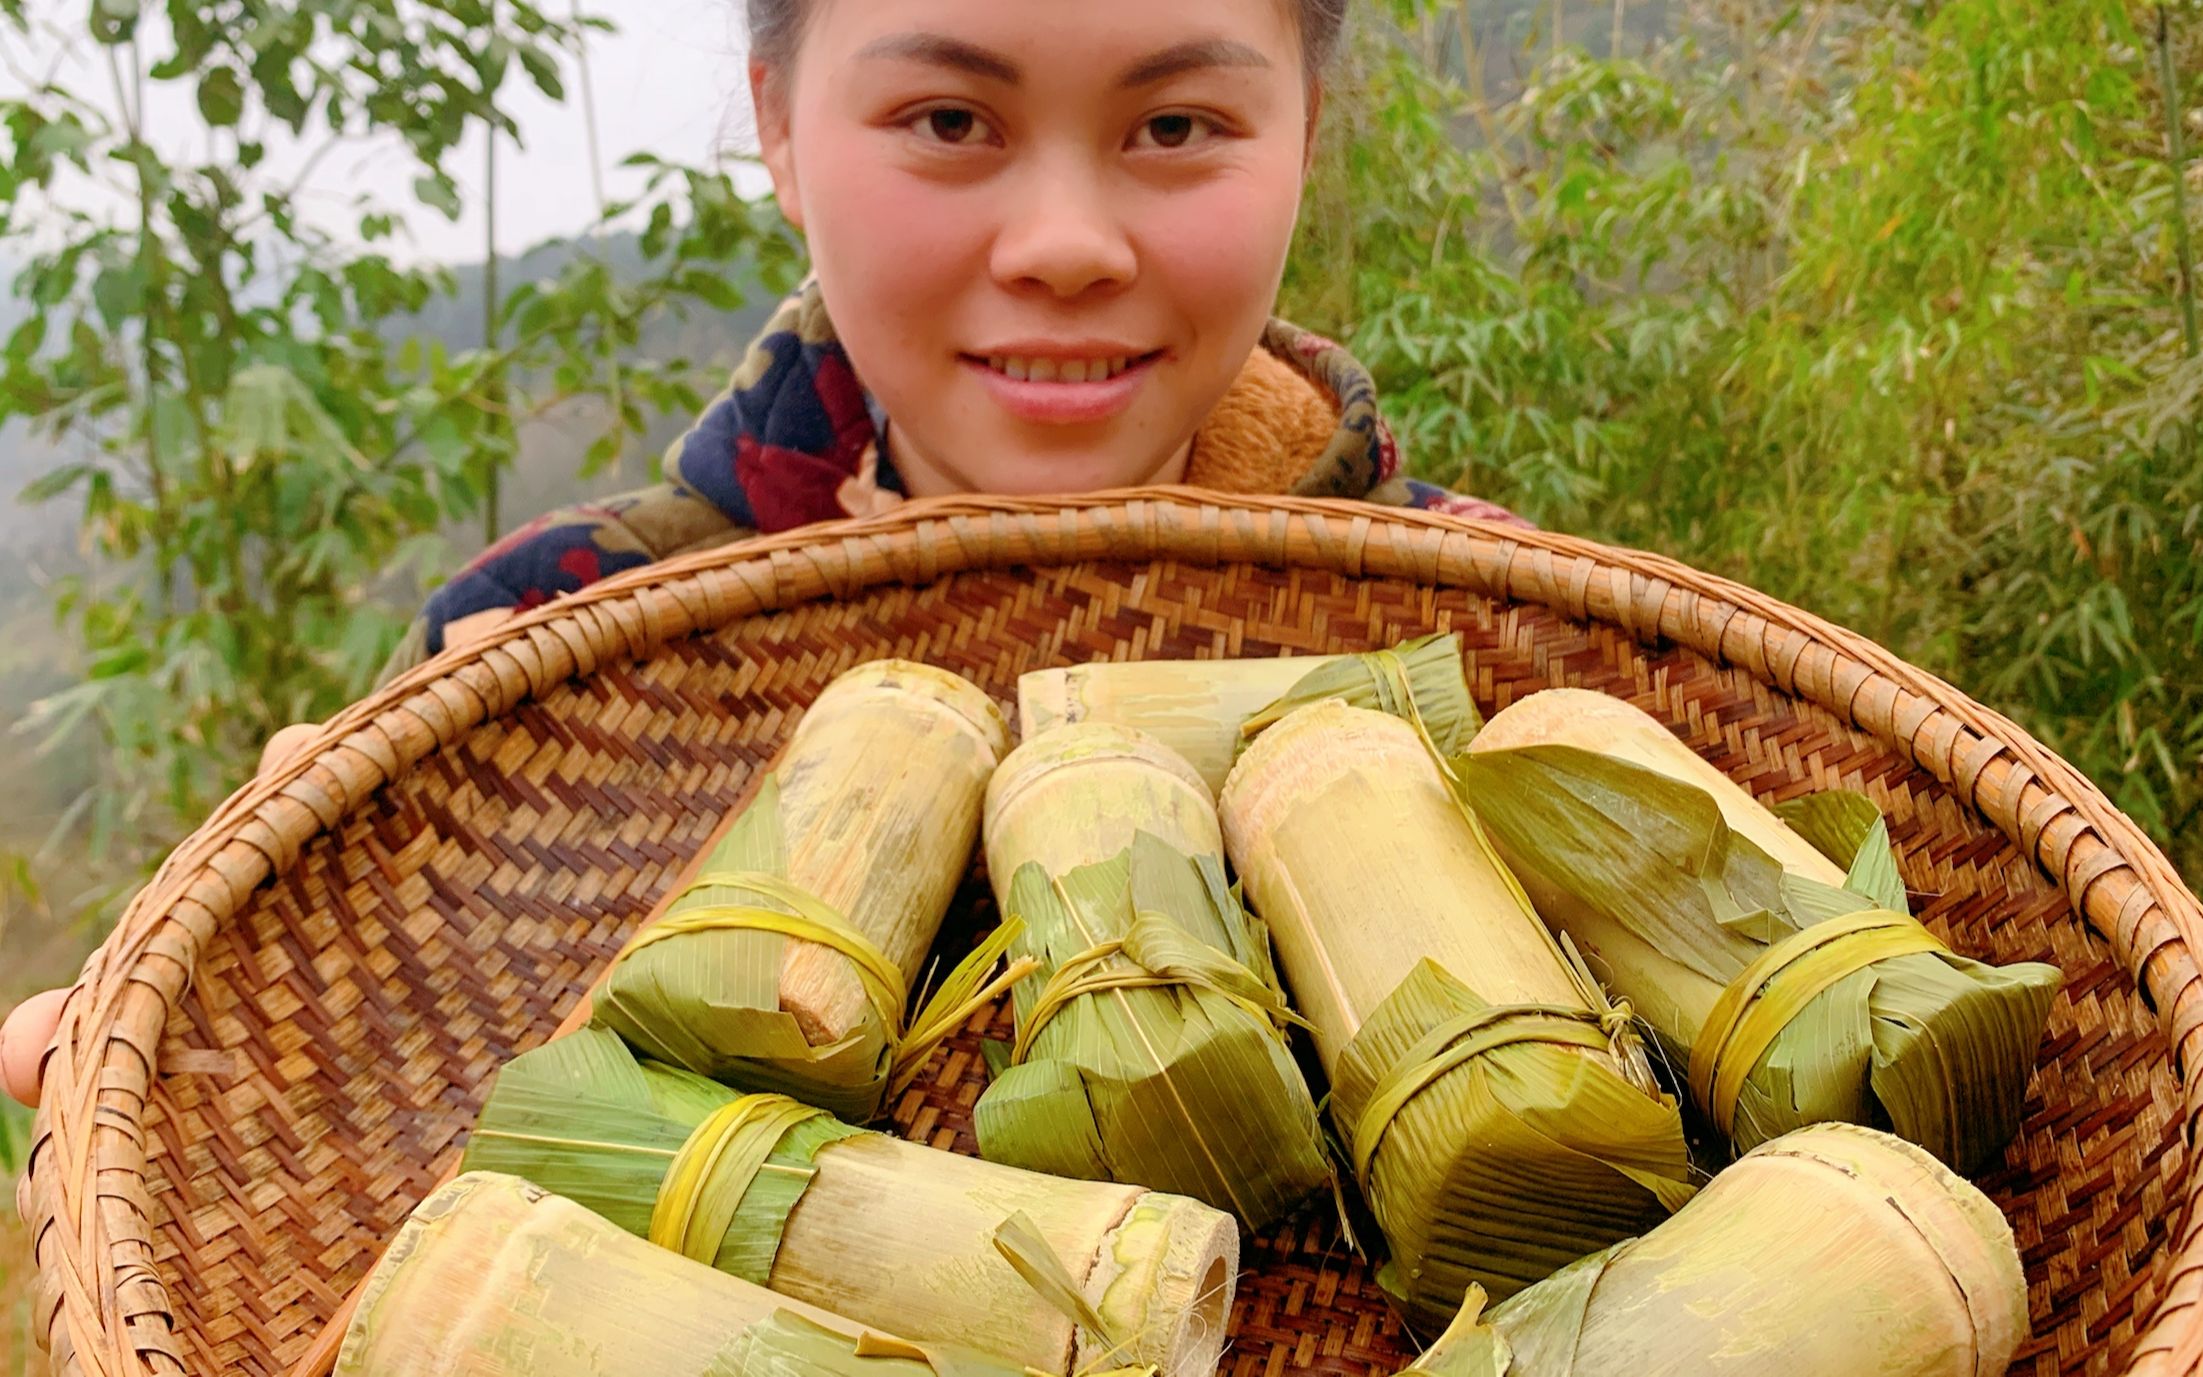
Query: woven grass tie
1458	1041
1752	1012
702	1192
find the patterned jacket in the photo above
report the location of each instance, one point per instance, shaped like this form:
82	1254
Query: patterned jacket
795	439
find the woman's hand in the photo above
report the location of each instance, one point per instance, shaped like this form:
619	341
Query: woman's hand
29	1028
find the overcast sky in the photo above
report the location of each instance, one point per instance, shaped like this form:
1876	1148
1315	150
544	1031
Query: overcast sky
669	82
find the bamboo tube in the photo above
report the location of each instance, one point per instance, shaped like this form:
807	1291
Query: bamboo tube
1170	1066
1829	1252
881	791
1199	709
1342	819
883	1231
1160	1268
1600	722
870	815
1074	795
1192	707
1499	1111
1797	992
493	1277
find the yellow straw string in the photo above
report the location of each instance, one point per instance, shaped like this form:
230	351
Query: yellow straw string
1756	1006
722	1156
1458	1041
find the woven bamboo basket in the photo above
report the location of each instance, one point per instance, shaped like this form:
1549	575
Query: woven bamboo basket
282	1047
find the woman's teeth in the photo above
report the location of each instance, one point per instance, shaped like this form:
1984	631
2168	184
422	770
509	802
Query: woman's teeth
1059	370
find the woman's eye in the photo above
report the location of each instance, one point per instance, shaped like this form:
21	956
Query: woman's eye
1175	131
952	125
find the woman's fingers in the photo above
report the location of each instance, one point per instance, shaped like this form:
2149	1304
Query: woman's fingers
285	743
24	1038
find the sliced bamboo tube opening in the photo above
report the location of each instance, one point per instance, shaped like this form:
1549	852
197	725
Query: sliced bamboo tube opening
1832	1251
492	1277
880	795
1594	721
1356	854
1077	794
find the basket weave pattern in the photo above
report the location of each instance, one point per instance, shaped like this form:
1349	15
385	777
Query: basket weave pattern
367	933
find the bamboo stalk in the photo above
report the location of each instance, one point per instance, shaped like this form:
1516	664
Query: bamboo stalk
1160	1268
1798	989
881	791
1602	723
1499	1112
1832	1251
1355	853
787	963
1169	1066
883	1231
492	1277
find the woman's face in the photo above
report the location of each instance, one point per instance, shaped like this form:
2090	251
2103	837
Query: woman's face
1049	233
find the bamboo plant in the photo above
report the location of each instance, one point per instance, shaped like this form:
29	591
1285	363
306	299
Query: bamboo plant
494	1277
1151	1040
784	1196
1772	951
786	964
1498	1111
1832	1251
1206	710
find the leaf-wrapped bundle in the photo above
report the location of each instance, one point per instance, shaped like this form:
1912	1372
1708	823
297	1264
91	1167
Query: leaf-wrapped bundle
494	1277
1829	1252
1151	1040
1207	710
785	965
1502	1116
1772	952
784	1196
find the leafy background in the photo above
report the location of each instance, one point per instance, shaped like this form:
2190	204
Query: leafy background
1884	307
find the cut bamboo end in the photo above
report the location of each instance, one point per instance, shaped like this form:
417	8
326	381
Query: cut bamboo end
881	789
1163	1282
1600	722
1357	855
1193	707
1078	794
1833	1230
492	1277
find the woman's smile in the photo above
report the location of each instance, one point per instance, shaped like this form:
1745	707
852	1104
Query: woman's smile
1062	385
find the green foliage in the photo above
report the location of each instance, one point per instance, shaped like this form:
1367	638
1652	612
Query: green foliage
15	1142
253	454
1875	307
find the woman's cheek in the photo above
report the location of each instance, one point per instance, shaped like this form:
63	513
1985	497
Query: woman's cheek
1220	249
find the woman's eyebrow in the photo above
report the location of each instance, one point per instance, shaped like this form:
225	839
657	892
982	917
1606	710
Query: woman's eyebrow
1188	57
939	50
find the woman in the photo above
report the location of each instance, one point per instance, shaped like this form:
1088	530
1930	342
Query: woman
1046	241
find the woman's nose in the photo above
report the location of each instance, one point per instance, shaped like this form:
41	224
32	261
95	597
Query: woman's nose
1060	233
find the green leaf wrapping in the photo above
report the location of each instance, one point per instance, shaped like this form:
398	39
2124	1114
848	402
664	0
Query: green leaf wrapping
1507	1168
1420	679
1185	1085
709	1002
581	1118
1670	905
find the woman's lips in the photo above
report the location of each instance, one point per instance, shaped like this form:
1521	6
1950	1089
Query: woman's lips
1064	403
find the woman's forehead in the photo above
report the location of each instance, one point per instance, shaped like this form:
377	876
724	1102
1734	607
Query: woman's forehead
1058	42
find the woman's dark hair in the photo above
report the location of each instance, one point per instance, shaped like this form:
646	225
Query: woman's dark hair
776	28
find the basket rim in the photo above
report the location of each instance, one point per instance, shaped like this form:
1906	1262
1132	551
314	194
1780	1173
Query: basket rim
104	1310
